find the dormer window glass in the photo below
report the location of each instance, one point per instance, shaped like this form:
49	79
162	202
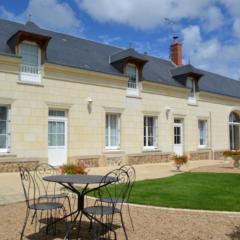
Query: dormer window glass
132	72
192	95
30	55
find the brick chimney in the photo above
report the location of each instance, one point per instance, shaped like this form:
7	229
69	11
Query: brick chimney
176	51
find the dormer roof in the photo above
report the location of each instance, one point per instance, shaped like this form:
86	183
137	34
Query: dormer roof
187	71
121	58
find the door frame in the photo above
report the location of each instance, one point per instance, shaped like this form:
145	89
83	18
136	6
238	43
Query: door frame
65	120
181	125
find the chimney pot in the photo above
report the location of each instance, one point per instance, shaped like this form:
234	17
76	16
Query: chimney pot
176	51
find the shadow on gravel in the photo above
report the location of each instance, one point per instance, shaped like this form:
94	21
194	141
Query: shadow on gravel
235	235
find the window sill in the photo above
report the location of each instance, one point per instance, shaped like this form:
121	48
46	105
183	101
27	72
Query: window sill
150	149
30	83
133	96
204	148
6	154
109	151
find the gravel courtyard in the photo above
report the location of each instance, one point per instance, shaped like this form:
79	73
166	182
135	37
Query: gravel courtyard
150	223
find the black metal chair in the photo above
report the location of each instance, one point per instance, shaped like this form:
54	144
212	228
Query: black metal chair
132	177
115	191
31	193
49	191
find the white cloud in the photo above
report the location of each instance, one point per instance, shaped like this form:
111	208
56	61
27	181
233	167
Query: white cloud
236	27
233	6
51	14
144	14
213	18
108	39
211	54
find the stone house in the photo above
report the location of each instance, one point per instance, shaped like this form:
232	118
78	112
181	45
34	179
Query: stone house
64	99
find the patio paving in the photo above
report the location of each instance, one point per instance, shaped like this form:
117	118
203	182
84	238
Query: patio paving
11	189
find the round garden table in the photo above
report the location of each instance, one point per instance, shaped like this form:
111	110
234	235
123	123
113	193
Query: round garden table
70	182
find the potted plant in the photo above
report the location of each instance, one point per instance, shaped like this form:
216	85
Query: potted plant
180	160
234	155
74	169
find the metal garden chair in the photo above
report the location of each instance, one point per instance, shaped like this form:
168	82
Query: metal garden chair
115	192
34	204
132	177
50	191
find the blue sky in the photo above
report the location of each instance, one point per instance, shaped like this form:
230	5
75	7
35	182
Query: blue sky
208	29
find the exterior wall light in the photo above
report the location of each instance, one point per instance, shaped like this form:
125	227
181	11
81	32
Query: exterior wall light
167	110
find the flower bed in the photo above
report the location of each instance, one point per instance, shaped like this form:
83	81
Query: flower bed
74	169
234	155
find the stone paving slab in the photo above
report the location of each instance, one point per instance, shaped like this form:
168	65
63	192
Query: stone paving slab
11	188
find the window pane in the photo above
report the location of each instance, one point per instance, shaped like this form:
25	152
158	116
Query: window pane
60	140
29	54
150	133
54	113
3	113
52	127
3	141
131	71
3	127
150	141
111	129
60	127
52	140
203	130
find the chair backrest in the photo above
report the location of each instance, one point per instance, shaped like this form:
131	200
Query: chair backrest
132	177
114	186
43	170
29	186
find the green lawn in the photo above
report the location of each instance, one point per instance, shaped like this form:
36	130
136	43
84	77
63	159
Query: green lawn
211	191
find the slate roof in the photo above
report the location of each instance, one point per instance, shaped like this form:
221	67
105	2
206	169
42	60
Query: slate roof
85	54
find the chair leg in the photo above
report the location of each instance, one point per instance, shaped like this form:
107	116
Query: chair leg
124	229
69	204
24	225
129	213
79	225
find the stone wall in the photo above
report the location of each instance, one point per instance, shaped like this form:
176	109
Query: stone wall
146	158
218	155
200	155
8	166
90	161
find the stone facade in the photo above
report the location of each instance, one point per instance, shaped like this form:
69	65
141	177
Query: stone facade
69	89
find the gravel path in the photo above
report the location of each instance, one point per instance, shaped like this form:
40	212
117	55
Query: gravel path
150	223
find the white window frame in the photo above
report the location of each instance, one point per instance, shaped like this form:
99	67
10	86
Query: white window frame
30	76
206	140
130	90
232	124
155	133
108	131
192	95
8	131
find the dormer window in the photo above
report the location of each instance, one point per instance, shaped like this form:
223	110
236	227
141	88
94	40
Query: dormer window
30	62
132	72
191	84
